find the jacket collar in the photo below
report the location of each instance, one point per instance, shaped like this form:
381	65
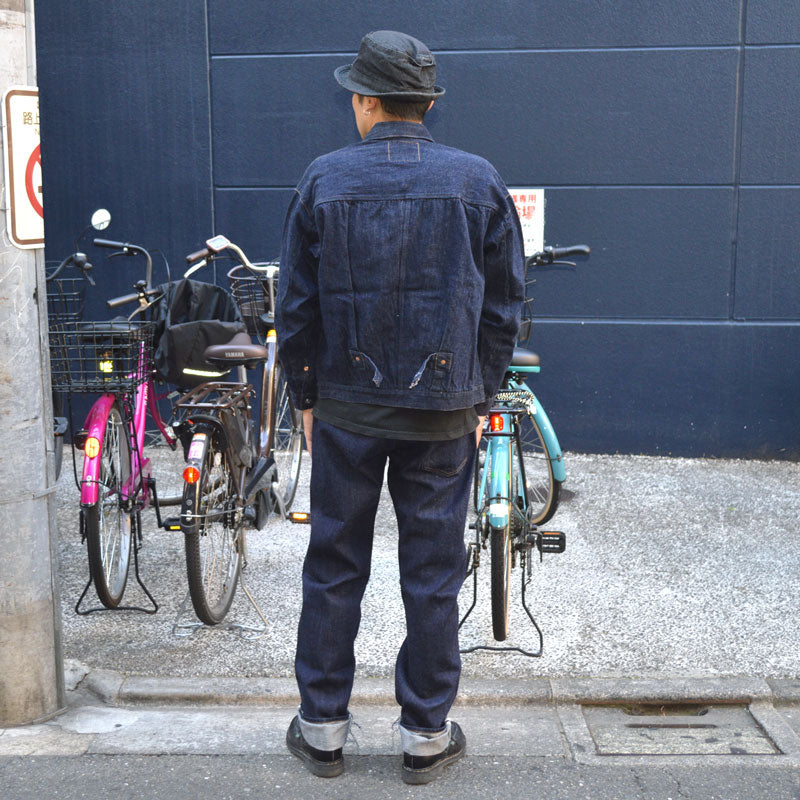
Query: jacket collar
401	129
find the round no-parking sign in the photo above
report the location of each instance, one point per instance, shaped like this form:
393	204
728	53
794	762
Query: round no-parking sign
23	166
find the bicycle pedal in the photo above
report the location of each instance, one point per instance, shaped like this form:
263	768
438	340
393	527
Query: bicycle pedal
61	424
299	517
171	524
551	542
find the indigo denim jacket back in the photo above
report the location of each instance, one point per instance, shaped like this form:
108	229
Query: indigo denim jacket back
402	275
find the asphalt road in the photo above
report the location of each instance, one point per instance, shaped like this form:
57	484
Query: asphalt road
377	778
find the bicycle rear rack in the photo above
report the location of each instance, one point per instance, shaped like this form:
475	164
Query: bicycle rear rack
230	395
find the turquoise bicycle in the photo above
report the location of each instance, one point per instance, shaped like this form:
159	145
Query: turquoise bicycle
518	477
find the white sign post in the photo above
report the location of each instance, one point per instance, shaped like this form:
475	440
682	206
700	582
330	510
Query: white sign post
530	207
23	167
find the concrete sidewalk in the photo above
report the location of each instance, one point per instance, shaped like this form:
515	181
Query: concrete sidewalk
687	568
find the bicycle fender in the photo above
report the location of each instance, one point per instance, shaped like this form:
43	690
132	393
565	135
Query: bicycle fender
196	454
550	439
95	425
499	480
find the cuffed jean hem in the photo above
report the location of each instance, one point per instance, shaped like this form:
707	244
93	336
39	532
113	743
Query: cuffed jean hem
422	744
325	735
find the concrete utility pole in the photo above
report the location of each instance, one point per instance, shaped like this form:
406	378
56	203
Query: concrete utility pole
31	668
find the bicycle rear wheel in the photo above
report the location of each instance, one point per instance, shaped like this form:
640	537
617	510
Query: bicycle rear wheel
287	443
500	580
213	536
542	488
108	522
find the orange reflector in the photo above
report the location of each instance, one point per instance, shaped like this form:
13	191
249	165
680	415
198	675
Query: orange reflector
496	422
300	517
191	474
92	447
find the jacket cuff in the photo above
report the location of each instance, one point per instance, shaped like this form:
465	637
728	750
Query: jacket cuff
482	409
305	398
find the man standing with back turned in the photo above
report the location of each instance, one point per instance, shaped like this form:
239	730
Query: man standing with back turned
402	276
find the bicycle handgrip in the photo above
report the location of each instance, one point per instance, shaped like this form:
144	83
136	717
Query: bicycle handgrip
574	250
121	301
130	298
111	244
192	257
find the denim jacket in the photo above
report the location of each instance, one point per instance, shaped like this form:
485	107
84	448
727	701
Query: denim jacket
402	275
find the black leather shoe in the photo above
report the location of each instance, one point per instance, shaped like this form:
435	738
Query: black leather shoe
424	769
322	763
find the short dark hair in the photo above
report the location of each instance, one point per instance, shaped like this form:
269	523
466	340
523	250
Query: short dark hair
405	109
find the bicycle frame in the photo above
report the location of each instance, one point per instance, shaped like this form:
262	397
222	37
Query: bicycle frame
139	466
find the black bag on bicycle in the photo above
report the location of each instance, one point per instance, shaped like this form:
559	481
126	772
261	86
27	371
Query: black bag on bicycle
192	315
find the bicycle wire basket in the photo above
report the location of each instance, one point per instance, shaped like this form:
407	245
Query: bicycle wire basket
110	356
65	300
255	295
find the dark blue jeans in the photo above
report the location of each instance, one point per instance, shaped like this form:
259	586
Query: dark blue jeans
429	483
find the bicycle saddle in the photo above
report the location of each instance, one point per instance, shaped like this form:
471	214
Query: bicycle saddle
239	350
524	358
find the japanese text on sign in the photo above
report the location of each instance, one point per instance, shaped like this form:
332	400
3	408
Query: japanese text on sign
530	208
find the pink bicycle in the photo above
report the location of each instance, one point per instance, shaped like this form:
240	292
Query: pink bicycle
113	358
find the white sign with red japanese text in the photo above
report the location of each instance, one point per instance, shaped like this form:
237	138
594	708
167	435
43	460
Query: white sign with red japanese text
530	207
23	167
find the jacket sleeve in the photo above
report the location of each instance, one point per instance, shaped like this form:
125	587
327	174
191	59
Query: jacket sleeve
504	291
297	318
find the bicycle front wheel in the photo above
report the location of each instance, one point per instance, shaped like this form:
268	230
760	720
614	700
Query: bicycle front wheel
500	580
542	488
108	521
212	522
287	442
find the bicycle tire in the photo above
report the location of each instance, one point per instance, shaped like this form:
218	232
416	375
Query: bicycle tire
108	523
286	434
500	580
213	541
542	489
480	460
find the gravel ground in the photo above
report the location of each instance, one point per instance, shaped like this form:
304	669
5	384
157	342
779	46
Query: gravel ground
673	566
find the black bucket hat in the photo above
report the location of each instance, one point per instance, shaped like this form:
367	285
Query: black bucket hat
391	64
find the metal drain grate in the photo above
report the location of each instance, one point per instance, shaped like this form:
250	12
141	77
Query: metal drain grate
681	729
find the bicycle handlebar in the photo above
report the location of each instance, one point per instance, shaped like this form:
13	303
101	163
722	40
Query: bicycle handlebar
551	255
216	244
78	260
128	249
